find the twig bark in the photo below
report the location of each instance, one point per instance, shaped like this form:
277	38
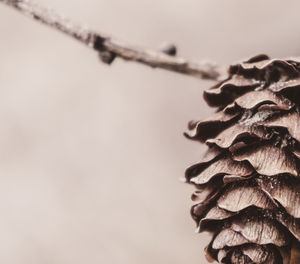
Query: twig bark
110	48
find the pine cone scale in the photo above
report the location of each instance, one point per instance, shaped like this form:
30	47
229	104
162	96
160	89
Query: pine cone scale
248	183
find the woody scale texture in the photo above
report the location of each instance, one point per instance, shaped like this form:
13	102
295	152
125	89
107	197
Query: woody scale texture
248	182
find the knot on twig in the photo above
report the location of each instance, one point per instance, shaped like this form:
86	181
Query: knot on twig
168	48
105	55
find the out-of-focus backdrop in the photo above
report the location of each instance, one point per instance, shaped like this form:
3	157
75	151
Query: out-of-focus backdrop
91	155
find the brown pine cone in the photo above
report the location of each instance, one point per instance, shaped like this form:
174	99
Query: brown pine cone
248	182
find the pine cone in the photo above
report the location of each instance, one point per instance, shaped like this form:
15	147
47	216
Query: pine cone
248	182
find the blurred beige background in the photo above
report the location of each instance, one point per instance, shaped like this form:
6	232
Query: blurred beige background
90	155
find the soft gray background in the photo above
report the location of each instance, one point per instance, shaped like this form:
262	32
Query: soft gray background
90	155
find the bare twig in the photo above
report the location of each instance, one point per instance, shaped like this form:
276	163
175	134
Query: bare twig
110	48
